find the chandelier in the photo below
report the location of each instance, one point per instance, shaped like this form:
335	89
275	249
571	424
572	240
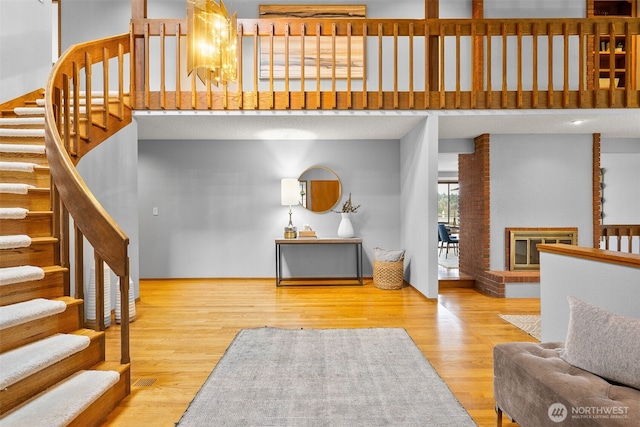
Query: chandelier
211	41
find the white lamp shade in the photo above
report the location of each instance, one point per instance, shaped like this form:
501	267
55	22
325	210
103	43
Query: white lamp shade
289	191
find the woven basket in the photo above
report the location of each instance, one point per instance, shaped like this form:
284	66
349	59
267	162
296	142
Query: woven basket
388	275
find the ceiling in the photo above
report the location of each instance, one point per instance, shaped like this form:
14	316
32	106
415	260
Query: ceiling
204	125
363	125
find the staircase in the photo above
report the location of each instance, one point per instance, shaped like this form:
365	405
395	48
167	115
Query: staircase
53	371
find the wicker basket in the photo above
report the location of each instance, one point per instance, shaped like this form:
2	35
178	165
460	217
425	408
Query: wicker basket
388	275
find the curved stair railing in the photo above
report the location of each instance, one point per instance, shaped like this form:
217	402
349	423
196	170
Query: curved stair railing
81	112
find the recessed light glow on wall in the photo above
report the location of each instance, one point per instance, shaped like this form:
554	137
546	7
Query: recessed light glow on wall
285	133
577	121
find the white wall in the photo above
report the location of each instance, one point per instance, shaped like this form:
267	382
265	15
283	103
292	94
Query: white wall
540	181
612	287
25	46
110	172
219	205
419	190
620	159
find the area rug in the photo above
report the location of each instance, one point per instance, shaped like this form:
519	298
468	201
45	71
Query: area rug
530	323
327	377
448	263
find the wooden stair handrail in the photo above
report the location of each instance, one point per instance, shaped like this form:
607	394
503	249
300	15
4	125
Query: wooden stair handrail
65	145
592	254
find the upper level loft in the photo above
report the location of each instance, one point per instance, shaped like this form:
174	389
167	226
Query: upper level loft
376	64
314	62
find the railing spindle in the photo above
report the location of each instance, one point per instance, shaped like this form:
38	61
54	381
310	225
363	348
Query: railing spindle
519	66
456	103
178	92
489	91
534	66
365	97
380	34
503	95
565	92
303	94
163	92
395	66
550	67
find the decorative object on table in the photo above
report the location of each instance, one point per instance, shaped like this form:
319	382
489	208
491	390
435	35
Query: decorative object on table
289	195
307	231
345	229
388	268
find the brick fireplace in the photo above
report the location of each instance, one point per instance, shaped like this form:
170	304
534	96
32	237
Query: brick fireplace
474	171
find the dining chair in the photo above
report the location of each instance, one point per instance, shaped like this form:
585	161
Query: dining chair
446	238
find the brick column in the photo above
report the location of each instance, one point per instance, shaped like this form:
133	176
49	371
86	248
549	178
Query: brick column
475	210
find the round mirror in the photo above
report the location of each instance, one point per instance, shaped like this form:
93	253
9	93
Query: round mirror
320	189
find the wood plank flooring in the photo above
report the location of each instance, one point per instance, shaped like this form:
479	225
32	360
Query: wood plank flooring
183	328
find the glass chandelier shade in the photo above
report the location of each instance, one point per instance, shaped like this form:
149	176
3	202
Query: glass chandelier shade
212	39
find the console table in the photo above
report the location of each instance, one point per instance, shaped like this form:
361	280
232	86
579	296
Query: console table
357	242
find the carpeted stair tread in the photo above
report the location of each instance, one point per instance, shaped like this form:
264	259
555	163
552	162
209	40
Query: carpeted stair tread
29	111
15	241
24	273
22	148
62	403
29	359
27	311
21	121
10	188
13	213
31	133
19	166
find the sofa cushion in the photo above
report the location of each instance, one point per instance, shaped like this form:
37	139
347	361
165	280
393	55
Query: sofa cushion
603	343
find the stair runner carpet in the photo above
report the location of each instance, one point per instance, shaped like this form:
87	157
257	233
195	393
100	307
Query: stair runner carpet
13	213
21	362
24	273
63	402
26	133
22	148
17	166
15	188
27	311
15	242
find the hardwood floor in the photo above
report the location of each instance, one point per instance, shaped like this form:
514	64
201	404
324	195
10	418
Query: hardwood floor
183	328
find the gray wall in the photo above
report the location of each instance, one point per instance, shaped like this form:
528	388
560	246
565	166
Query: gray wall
25	46
419	189
540	181
610	286
620	159
110	172
219	204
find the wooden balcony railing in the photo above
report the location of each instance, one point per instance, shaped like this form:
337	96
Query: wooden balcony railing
407	64
80	113
621	238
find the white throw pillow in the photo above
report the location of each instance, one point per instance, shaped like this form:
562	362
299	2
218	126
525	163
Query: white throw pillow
385	255
603	343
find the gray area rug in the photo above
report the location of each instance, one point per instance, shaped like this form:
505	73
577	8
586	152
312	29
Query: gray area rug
530	323
327	377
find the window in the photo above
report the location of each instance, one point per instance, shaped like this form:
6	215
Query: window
448	212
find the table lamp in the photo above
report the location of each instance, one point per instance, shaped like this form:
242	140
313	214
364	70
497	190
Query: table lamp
290	195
